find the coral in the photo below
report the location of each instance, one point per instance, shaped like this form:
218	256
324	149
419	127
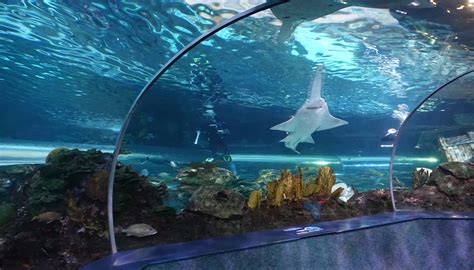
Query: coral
289	187
255	199
420	177
298	185
322	185
310	188
325	180
45	194
55	154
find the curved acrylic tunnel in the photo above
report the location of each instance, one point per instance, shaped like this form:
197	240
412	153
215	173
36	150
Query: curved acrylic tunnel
440	128
208	119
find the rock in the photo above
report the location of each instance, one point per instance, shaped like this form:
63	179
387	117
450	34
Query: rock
217	201
460	170
431	196
453	178
450	185
205	176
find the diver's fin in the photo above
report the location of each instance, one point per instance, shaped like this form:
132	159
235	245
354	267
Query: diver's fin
308	139
288	126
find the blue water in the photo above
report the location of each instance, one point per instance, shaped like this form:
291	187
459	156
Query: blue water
69	70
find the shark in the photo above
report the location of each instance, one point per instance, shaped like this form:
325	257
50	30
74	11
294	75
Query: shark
295	12
313	116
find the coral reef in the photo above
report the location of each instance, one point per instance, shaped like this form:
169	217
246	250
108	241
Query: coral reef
59	208
55	215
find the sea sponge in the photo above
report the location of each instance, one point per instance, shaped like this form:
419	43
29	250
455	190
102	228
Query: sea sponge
325	180
255	199
289	187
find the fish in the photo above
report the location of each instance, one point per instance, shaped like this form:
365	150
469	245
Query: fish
139	230
47	217
173	164
163	174
311	117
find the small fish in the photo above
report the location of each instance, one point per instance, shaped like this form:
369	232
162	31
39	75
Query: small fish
173	164
163	174
47	217
139	230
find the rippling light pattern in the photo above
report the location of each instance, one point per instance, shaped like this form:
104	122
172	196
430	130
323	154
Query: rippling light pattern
79	64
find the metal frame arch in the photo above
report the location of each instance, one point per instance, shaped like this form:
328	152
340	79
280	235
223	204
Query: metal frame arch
174	59
397	138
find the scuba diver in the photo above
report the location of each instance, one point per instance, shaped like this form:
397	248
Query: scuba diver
204	77
216	132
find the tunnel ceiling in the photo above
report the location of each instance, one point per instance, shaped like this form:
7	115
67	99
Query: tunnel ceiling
78	65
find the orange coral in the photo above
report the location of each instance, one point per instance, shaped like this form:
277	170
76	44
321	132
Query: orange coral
289	187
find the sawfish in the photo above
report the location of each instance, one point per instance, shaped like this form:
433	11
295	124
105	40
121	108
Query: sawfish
312	116
295	12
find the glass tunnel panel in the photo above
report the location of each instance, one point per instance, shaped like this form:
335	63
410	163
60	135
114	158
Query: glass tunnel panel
202	137
439	138
69	71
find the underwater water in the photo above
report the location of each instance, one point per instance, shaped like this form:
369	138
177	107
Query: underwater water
345	76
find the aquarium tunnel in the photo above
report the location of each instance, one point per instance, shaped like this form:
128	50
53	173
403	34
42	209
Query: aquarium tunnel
293	134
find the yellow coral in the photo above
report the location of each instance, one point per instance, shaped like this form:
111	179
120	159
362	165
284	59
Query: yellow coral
288	187
298	185
255	199
325	180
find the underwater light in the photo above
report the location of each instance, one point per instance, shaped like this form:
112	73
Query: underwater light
386	145
391	131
